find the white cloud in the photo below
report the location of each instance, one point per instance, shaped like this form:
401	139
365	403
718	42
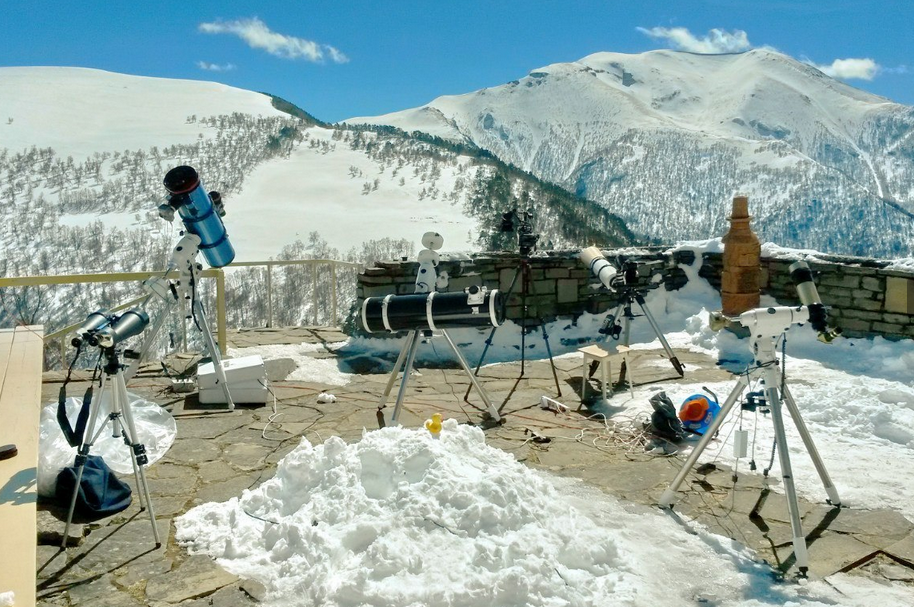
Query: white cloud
257	35
847	69
215	67
717	41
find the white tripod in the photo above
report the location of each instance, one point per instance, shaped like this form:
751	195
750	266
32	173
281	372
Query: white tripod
184	260
767	325
113	381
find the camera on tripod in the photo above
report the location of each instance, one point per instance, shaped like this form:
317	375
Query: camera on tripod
520	221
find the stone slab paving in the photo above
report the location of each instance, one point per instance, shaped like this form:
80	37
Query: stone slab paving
218	453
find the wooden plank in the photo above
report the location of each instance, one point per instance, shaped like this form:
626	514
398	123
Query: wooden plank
20	407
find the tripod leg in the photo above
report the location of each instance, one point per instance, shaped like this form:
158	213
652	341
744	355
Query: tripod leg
482	357
669	496
397	365
463	363
626	337
772	380
830	489
525	270
81	454
666	346
137	452
214	353
555	375
407	369
488	342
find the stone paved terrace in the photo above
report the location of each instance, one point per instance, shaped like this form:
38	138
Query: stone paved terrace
217	454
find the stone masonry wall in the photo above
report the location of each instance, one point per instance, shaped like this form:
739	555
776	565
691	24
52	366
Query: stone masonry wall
864	298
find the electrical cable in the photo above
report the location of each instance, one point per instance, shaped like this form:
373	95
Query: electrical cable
272	418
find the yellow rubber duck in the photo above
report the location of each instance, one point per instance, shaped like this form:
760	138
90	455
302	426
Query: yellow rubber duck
434	425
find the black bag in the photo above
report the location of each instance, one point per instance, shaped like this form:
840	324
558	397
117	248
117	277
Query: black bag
664	421
100	495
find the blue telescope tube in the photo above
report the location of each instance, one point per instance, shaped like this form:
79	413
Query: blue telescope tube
199	215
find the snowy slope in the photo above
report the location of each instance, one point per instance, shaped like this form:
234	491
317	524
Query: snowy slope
79	111
678	133
312	190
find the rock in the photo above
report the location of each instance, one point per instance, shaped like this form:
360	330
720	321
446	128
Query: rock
198	576
51	528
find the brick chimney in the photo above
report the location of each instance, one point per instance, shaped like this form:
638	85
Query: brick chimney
739	290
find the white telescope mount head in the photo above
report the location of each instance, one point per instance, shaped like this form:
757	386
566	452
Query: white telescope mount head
184	260
427	279
767	325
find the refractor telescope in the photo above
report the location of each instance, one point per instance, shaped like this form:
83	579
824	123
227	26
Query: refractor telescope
772	321
600	267
108	330
201	213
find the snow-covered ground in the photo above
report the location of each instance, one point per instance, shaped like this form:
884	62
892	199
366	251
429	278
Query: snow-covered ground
400	518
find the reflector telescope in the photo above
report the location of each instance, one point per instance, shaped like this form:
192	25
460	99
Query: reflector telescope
474	307
201	214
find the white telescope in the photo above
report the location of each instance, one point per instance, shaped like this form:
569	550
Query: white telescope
604	271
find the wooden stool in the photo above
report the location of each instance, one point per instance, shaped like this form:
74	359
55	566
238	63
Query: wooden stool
626	360
595	353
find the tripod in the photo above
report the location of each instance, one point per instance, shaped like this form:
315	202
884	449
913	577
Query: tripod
183	258
408	354
767	326
113	380
612	327
524	272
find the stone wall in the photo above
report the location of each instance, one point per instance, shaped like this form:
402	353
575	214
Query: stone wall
864	298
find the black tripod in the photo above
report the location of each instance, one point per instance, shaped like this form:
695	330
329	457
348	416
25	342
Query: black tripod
620	323
524	273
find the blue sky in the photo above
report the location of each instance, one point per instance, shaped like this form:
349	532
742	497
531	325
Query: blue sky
356	58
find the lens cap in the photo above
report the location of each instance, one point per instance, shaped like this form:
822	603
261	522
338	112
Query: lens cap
8	451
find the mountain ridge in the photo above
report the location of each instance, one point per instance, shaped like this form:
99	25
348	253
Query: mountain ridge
771	127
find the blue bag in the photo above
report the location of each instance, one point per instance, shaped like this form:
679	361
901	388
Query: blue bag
100	495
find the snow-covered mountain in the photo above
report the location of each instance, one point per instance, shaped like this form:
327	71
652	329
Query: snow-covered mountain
666	138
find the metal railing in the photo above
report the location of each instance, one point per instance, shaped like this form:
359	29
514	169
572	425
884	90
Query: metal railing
217	274
269	265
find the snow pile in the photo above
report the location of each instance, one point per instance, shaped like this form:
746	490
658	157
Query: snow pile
400	518
308	368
